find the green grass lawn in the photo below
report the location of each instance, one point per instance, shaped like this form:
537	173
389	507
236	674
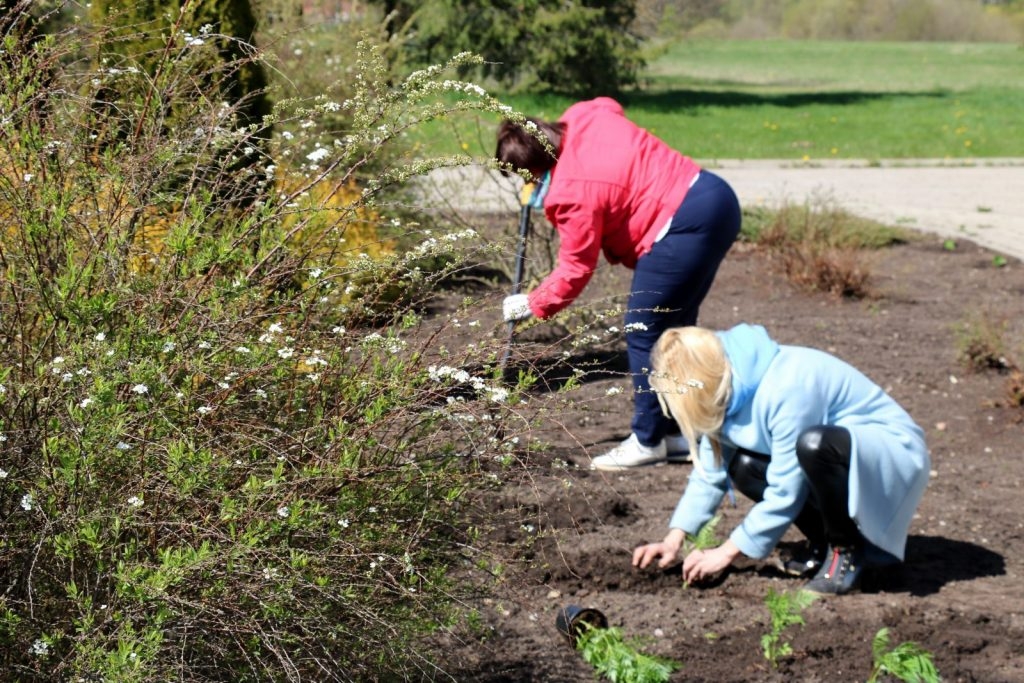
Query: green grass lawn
811	100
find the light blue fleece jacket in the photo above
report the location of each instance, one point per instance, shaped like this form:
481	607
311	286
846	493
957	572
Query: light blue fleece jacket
778	392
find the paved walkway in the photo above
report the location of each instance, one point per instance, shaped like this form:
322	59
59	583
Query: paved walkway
982	201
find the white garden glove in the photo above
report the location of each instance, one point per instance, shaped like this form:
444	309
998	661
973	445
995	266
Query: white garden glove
516	307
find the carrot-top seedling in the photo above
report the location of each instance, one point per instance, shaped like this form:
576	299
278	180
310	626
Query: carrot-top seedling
907	661
784	609
621	661
705	538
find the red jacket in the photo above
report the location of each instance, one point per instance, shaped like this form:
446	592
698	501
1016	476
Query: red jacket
614	187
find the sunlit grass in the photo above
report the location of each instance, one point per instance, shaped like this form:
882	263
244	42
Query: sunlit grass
811	101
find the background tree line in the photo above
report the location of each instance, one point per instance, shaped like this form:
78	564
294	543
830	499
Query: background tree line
577	47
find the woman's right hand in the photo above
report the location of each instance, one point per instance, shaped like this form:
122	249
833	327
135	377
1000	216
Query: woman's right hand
666	550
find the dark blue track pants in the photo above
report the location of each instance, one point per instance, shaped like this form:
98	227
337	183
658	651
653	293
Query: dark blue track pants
669	284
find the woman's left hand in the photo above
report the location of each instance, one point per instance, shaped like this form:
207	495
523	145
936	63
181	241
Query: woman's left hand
705	564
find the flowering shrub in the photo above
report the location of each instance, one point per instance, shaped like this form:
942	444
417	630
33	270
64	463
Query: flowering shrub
211	466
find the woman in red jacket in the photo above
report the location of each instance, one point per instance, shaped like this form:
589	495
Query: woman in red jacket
609	186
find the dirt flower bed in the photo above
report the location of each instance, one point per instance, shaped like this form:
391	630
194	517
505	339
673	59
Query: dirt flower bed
572	530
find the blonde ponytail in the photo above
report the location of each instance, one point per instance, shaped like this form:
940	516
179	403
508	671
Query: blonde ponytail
693	380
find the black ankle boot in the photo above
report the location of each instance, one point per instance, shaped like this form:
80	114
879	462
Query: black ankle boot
805	562
840	573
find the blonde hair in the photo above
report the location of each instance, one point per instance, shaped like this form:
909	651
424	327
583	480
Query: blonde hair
693	380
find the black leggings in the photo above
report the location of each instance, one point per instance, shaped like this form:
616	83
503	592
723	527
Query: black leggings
824	455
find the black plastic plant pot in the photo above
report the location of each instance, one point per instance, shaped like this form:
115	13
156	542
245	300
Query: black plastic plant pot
572	621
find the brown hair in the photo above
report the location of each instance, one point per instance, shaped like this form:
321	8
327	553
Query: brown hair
693	379
531	146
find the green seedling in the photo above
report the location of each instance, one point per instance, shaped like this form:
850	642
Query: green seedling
705	538
621	661
784	609
949	245
998	261
907	661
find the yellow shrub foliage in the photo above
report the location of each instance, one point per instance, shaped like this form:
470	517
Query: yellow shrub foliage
329	223
325	224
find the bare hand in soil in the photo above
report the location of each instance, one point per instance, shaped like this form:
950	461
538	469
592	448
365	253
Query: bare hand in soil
666	550
705	564
645	554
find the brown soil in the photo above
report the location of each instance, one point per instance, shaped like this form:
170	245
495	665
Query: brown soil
960	593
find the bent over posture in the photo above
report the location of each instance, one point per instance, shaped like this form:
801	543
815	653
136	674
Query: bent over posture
609	186
805	435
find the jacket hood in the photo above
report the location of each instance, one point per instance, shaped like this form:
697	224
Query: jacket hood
750	351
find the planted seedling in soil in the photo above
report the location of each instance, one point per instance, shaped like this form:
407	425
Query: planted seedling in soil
907	661
785	610
620	661
705	538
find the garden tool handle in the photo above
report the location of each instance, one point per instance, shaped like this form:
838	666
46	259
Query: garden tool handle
520	265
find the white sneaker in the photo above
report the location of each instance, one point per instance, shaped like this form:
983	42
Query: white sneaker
630	453
677	448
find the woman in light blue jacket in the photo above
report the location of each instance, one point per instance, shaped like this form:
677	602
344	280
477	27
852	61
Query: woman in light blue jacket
805	435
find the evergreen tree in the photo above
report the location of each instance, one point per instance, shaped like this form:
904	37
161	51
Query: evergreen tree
583	47
149	34
144	30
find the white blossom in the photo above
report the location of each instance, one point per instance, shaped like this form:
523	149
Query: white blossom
140	389
27	502
135	501
318	154
497	394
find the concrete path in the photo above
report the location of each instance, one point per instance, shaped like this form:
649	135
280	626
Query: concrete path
982	201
